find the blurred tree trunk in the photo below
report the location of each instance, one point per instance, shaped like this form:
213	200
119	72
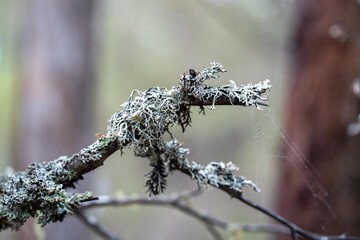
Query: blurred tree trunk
55	100
320	106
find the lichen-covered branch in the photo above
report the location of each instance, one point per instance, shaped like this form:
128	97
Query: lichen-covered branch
141	124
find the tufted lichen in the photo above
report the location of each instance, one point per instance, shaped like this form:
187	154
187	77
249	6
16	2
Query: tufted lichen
147	115
141	124
36	193
214	174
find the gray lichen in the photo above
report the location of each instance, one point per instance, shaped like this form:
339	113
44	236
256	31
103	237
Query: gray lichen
36	193
220	174
147	115
217	174
247	95
141	124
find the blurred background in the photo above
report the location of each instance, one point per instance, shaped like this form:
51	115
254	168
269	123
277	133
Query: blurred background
66	66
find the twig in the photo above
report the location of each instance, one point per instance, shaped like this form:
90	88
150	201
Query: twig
180	202
141	124
92	223
293	229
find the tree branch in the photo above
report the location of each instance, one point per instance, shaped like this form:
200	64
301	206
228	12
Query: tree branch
182	203
230	188
93	224
141	124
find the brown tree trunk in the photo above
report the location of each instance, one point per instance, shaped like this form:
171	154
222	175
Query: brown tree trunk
321	105
55	100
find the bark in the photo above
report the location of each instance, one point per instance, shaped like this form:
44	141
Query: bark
320	106
55	106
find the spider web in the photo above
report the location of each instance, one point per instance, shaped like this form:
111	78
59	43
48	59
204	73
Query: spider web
269	136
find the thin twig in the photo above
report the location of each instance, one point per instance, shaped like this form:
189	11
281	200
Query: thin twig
180	202
93	224
141	124
293	229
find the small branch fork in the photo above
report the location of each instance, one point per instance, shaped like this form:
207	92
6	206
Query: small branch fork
182	203
141	125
